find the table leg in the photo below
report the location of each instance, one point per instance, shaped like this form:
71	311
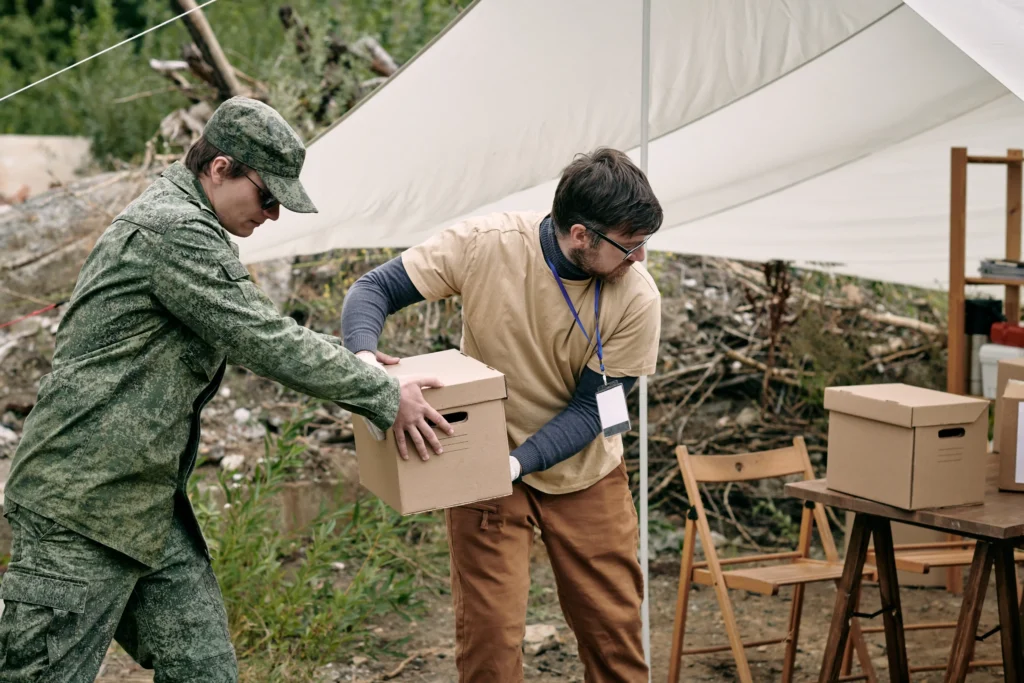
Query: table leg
892	616
1009	615
970	613
846	592
1021	587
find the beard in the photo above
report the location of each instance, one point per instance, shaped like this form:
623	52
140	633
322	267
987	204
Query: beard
584	260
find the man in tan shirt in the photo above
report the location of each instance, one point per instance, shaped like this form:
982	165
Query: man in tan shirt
532	288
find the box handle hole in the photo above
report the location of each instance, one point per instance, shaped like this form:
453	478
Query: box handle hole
452	418
952	433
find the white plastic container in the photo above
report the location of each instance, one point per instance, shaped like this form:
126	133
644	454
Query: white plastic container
990	355
974	343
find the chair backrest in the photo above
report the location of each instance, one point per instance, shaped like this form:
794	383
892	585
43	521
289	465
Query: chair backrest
719	469
781	462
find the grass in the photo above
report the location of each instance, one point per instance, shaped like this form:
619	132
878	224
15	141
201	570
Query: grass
297	602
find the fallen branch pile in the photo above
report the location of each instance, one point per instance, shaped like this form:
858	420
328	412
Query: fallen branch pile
206	77
745	355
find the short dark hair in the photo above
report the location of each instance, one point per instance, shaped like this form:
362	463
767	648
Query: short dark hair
604	190
202	153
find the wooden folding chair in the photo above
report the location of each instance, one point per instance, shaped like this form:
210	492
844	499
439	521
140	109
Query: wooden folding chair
797	569
921	558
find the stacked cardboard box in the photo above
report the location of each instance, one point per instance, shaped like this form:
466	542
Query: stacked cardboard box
1008	369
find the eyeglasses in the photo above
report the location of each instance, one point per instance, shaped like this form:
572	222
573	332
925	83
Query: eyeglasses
268	202
626	252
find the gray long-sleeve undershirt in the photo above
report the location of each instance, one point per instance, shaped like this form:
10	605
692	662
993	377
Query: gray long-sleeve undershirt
388	288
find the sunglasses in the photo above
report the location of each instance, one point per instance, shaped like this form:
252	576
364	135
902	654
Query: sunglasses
626	252
268	202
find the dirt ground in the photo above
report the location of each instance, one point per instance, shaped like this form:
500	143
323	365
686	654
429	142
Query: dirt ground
430	650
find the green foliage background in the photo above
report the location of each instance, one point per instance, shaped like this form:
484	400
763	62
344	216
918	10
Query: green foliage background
40	37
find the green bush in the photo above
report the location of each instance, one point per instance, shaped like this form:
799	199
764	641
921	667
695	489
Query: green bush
297	602
86	100
118	101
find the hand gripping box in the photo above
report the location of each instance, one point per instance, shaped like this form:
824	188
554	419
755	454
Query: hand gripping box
905	446
474	465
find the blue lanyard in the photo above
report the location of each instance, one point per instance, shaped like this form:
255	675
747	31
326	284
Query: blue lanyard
597	316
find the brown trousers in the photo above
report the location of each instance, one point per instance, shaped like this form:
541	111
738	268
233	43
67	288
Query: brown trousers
591	537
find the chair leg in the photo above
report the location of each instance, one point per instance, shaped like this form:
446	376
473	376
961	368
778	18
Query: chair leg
732	630
795	611
682	602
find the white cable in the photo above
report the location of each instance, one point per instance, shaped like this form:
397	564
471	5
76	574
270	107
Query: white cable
127	40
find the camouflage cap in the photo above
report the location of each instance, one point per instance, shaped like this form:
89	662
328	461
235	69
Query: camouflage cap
256	135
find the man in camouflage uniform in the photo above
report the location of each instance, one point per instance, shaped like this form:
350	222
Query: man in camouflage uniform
105	541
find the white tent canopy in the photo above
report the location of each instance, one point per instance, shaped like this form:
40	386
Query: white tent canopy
813	132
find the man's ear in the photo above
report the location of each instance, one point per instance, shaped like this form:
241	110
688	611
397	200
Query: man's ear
218	169
578	236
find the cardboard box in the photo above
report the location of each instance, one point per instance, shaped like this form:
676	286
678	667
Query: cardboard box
905	446
1009	368
1011	458
474	465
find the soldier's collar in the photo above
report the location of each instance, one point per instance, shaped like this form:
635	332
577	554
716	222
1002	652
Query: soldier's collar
183	178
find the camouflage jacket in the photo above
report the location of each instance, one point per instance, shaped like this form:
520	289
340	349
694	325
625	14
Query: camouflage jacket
160	304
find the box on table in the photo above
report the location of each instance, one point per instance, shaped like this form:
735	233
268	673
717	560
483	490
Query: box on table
1011	457
905	446
474	465
1007	369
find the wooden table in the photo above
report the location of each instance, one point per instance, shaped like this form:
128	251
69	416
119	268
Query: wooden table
998	525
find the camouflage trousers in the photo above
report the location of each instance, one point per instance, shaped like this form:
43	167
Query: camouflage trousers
65	597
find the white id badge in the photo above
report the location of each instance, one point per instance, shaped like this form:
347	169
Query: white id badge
611	404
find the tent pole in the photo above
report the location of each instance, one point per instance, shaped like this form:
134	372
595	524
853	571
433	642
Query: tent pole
645	104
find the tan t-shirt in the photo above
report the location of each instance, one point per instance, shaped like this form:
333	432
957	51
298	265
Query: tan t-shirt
516	321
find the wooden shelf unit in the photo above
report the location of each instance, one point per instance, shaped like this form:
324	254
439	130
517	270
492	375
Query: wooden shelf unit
1007	281
957	359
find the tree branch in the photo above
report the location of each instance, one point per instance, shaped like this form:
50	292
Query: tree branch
204	37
